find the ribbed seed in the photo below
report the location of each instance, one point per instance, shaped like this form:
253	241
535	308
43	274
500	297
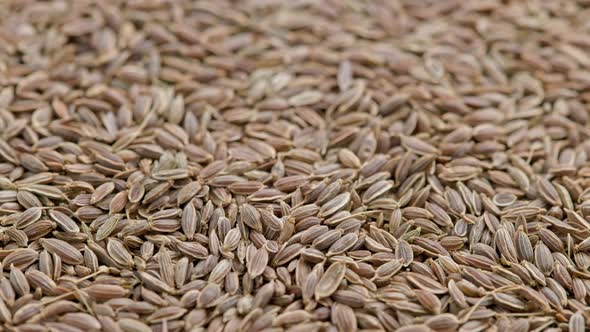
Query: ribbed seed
330	281
67	252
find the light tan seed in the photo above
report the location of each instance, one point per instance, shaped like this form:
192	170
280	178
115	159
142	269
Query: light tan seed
343	244
107	228
343	317
28	217
101	192
505	245
81	320
19	281
334	205
404	252
68	253
257	263
103	292
523	246
543	258
504	199
64	222
189	221
119	253
577	322
548	191
389	269
330	281
377	189
133	325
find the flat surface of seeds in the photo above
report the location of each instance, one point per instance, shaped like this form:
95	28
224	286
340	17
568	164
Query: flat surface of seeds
268	165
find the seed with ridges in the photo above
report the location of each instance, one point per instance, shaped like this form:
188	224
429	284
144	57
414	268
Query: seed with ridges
330	281
67	252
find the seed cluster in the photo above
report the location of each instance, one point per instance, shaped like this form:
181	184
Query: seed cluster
302	166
